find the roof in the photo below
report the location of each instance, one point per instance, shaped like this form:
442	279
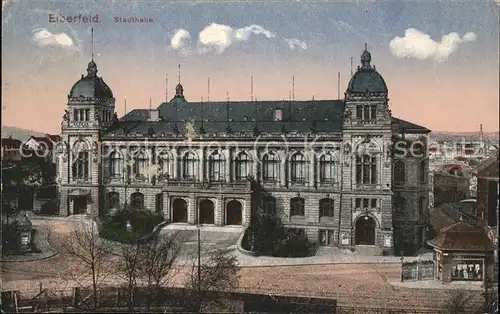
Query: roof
400	125
48	140
242	117
10	142
489	167
366	79
462	236
91	85
447	214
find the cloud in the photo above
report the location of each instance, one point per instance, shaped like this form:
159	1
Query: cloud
179	39
219	37
419	45
294	43
43	37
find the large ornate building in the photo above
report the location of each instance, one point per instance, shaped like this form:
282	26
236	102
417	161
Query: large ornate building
328	168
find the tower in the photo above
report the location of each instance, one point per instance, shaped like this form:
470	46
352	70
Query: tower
365	164
90	110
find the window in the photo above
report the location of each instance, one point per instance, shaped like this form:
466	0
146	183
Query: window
421	172
297	206
366	170
299	168
359	112
366	113
137	200
325	237
113	200
269	206
278	114
140	164
399	207
115	164
87	114
164	163
80	167
326	208
366	203
189	166
327	169
270	167
373	112
216	166
242	166
421	207
399	172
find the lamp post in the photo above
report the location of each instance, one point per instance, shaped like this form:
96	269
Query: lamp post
402	265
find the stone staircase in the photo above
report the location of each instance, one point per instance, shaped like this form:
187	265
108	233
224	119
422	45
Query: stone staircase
369	250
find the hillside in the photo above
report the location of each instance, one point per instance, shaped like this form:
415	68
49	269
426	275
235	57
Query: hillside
19	133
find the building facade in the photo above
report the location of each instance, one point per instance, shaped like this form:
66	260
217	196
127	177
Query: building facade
326	167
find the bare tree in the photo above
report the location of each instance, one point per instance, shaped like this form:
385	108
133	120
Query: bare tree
459	302
88	257
157	264
218	272
128	269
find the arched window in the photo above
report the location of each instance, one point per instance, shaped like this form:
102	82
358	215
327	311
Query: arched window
297	206
327	168
422	172
298	168
137	200
399	172
115	164
189	166
326	208
270	167
113	200
366	169
242	166
140	164
164	163
216	167
80	166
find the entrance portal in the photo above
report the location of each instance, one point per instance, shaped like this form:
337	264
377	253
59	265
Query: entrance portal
365	231
79	205
206	212
179	210
233	213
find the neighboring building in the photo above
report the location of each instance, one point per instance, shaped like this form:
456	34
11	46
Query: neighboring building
451	184
11	150
487	191
195	162
41	146
463	252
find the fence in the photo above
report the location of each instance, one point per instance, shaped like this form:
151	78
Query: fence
418	270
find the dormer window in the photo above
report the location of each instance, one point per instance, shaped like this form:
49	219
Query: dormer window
278	114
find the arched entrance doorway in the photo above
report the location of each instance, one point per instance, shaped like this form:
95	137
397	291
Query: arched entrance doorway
179	210
365	231
206	212
233	213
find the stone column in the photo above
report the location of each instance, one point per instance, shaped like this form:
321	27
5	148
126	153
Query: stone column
201	166
227	156
219	211
192	209
312	168
166	206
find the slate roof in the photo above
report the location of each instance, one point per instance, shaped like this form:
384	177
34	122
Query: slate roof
367	80
462	236
242	117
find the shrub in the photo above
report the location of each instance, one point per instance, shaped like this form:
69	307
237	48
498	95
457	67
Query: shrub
50	208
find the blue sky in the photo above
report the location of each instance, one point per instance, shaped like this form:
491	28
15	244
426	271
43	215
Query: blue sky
325	36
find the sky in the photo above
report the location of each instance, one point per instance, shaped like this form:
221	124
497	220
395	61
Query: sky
440	59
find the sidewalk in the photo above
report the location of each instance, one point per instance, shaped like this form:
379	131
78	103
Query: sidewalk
325	255
436	284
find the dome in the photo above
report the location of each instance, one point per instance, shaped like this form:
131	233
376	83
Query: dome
91	85
366	78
